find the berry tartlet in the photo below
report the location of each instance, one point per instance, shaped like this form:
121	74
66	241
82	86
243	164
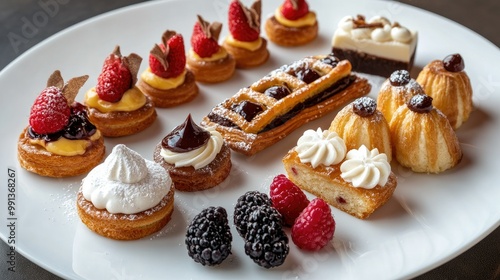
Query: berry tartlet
167	81
60	141
115	104
292	24
209	62
126	197
449	86
356	181
244	42
196	158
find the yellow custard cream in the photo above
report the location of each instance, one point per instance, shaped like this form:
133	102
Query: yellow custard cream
67	147
221	54
161	83
251	46
132	100
307	20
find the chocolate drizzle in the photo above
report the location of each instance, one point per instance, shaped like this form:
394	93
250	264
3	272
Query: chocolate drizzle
185	137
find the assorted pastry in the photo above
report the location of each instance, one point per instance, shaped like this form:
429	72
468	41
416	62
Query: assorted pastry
209	62
60	140
167	81
115	105
292	24
449	86
196	158
357	181
262	114
244	42
126	197
375	46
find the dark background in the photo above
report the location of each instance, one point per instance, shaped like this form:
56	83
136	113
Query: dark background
482	261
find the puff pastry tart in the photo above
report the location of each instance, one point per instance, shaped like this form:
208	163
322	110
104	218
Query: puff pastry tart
262	114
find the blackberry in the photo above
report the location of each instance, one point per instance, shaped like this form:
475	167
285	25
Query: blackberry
245	204
208	237
266	243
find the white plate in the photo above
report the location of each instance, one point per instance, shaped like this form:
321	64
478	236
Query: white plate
430	219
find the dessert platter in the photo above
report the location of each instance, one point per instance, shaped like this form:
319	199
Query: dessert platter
281	113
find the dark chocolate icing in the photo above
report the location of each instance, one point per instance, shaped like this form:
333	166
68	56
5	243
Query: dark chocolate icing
185	137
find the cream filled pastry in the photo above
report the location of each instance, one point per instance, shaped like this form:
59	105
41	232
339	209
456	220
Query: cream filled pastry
126	197
357	181
196	158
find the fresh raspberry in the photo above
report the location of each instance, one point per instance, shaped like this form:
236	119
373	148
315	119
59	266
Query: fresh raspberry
314	227
176	58
294	11
114	80
287	198
238	24
50	112
201	44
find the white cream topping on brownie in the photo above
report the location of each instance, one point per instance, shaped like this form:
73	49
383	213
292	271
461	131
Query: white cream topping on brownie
376	36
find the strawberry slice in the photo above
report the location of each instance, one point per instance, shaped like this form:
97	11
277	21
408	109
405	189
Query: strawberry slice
294	9
168	59
244	23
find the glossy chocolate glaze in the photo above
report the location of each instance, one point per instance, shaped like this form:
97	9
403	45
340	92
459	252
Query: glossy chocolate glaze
454	63
420	103
185	137
364	106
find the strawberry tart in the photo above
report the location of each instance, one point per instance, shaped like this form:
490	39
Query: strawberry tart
116	105
60	141
167	81
292	24
244	42
209	62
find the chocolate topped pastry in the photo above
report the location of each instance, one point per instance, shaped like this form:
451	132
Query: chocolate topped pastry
186	137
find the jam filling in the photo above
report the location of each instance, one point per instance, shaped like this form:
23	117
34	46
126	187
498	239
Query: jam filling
185	137
277	92
247	110
329	92
79	127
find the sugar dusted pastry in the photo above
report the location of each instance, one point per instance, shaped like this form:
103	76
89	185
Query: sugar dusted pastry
356	181
196	158
423	139
449	86
126	197
60	141
360	123
167	81
262	114
244	42
396	91
375	46
115	105
292	24
209	62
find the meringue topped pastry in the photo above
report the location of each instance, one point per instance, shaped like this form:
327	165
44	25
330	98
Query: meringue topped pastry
126	197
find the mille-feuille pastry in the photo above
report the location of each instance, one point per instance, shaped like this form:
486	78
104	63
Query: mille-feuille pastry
292	24
449	86
126	197
360	123
209	62
244	42
196	158
423	139
60	141
375	46
262	114
396	91
167	81
115	105
356	181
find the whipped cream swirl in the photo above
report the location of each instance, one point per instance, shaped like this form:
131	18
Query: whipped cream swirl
126	183
321	147
365	169
197	158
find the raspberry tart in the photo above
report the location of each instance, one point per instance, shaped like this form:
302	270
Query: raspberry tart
60	141
357	181
209	62
115	104
244	42
292	24
167	81
196	158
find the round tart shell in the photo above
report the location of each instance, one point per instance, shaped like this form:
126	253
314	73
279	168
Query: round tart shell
212	71
290	36
246	58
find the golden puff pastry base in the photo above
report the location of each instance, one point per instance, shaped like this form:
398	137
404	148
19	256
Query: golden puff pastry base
247	59
290	36
212	71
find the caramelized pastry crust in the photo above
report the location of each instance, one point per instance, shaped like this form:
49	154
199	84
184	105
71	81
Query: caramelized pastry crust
245	58
211	71
290	36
